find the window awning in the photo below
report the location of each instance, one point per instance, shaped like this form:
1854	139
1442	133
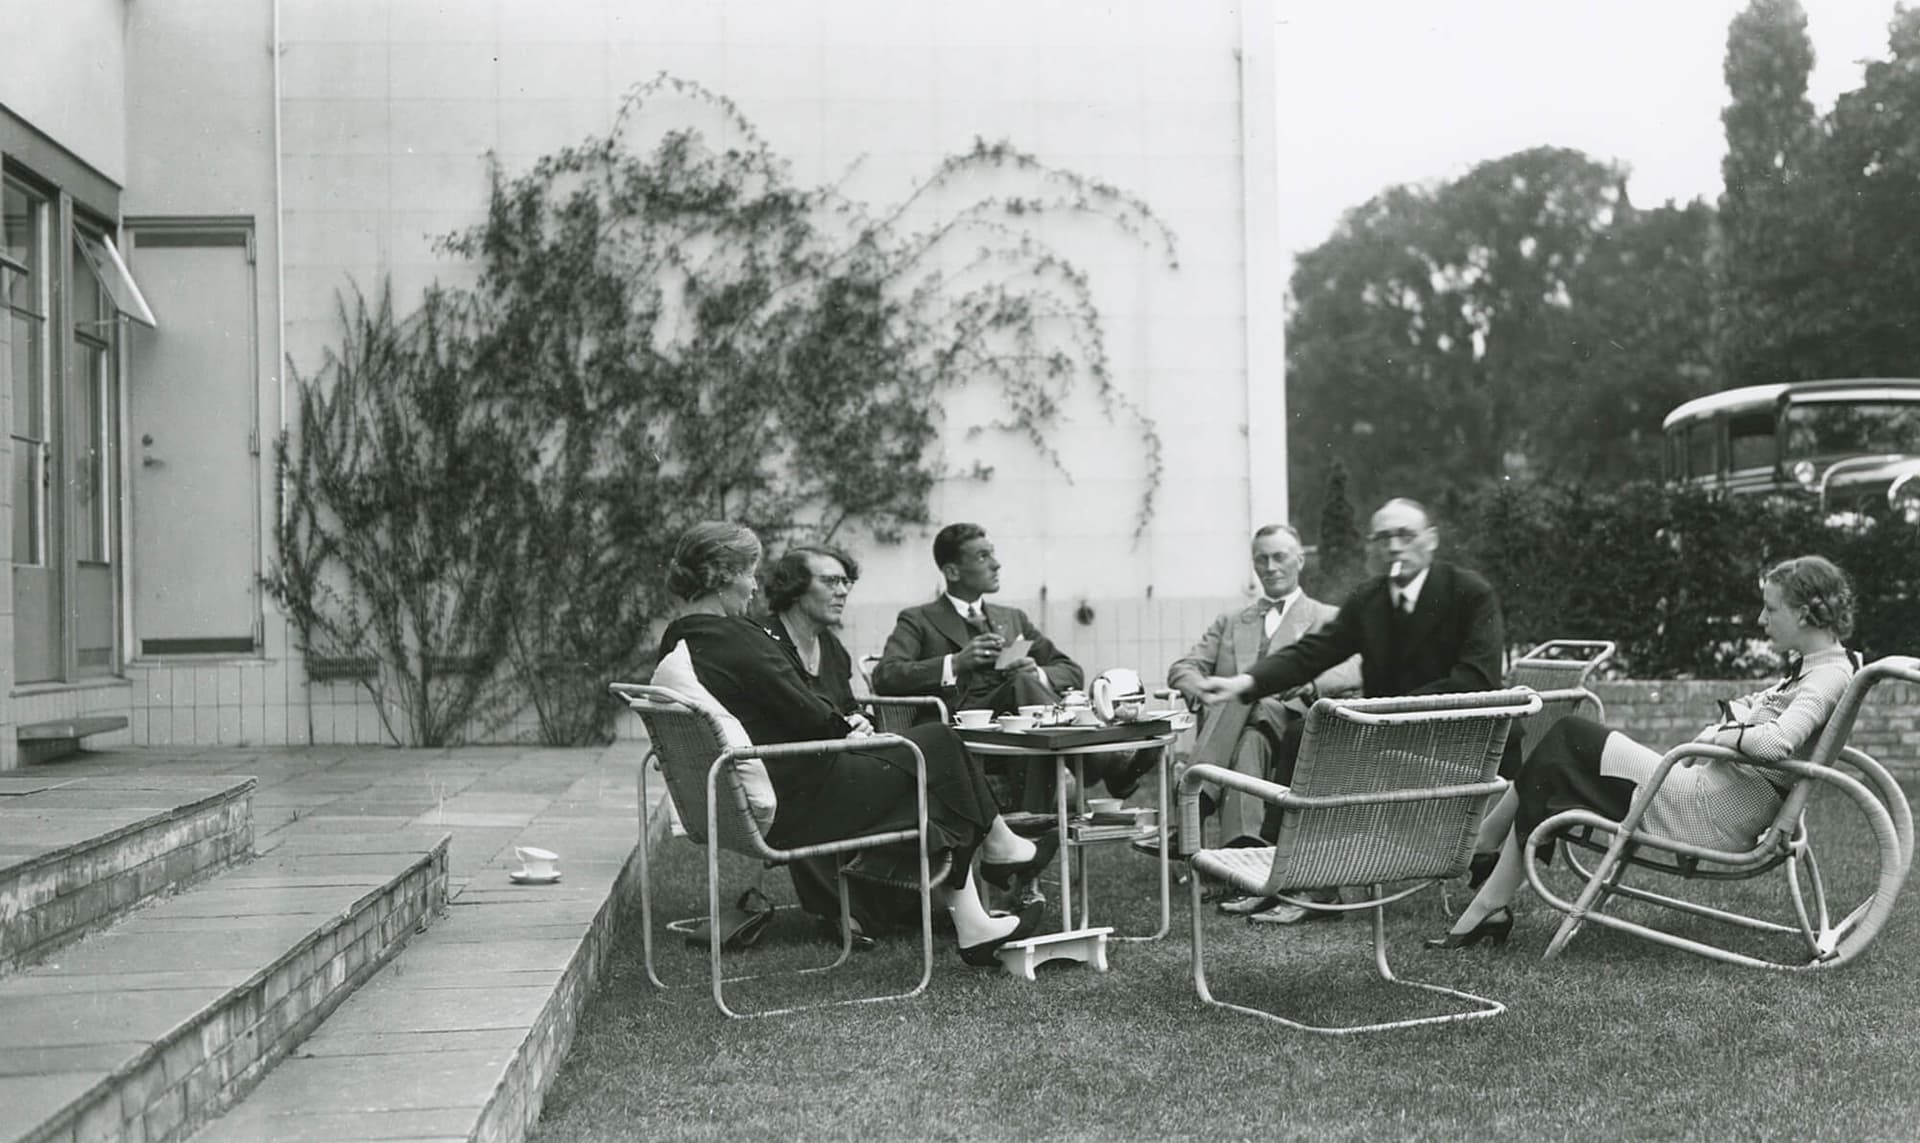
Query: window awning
114	275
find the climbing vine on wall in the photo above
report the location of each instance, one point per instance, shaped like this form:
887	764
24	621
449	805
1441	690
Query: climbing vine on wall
663	327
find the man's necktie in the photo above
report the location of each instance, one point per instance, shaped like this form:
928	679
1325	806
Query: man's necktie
1270	615
1403	603
976	622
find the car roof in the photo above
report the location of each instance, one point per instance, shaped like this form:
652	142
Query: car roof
1764	396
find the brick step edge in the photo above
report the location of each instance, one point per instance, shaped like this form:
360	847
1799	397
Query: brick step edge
54	899
515	1104
209	1062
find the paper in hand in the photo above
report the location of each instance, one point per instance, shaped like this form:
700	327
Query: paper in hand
1012	653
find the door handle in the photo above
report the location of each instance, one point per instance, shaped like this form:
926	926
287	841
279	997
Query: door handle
148	460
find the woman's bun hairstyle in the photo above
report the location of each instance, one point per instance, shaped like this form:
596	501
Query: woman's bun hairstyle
707	555
1816	587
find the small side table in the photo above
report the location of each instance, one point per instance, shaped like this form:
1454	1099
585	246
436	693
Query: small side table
1079	939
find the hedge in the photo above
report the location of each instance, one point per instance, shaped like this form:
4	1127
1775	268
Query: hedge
1671	574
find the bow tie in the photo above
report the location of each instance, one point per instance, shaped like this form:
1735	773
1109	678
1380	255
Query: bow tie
1267	605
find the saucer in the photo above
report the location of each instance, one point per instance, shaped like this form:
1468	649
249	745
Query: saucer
523	877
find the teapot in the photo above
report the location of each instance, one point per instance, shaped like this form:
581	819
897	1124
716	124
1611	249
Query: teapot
1118	695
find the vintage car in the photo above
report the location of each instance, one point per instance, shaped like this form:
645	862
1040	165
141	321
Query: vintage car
1852	444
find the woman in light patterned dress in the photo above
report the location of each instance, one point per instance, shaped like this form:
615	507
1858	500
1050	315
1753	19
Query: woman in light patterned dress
1806	610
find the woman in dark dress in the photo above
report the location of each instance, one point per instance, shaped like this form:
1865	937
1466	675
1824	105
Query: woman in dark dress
1806	610
806	592
828	797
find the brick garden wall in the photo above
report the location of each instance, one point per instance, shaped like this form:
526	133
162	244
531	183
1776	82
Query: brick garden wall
1665	713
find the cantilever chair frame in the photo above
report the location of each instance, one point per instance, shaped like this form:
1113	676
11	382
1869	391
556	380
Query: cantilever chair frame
651	703
1828	942
1495	708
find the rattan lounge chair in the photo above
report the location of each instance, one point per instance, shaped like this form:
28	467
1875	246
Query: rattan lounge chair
1386	790
704	781
1827	942
1558	670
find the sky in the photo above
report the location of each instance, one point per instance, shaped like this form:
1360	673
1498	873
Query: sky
1378	92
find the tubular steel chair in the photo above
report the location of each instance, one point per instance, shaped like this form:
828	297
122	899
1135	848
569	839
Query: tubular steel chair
895	713
1828	942
1385	790
1557	670
703	776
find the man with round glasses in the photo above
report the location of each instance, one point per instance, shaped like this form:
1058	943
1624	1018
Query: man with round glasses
1420	626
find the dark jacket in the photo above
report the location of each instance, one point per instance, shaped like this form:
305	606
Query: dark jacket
923	636
1451	642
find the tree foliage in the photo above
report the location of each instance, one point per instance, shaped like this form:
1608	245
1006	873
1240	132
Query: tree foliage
663	328
1772	262
1524	319
1866	176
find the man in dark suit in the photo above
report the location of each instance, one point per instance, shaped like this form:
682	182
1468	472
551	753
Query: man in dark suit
1425	626
951	647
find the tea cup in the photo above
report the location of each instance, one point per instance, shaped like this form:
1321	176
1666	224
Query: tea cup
537	864
1016	722
975	719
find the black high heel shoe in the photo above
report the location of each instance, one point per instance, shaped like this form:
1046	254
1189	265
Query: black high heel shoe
1497	926
1002	873
983	955
1481	868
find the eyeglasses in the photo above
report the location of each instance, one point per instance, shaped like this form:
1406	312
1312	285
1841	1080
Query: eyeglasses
1404	535
834	582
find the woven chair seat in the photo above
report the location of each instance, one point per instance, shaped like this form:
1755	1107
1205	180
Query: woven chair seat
1385	791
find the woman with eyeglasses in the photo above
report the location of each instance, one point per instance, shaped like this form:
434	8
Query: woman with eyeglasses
806	590
1806	609
827	797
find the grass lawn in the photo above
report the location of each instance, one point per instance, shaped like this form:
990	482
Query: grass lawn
1617	1039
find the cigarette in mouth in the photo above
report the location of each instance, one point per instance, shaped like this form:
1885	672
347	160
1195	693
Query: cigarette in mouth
1393	573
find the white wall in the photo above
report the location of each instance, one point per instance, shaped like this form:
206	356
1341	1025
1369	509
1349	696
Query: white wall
388	112
63	69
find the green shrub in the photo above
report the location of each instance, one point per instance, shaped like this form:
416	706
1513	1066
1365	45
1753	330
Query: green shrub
1670	574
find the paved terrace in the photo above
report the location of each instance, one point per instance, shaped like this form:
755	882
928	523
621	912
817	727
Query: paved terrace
459	1035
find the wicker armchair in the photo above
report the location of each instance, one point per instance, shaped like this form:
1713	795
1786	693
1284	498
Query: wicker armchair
1827	942
1385	790
703	776
1558	670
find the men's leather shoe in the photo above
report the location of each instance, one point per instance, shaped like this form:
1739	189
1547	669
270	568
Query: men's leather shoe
1151	846
1124	778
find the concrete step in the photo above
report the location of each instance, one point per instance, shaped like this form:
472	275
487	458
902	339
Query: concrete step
460	1037
149	1028
77	852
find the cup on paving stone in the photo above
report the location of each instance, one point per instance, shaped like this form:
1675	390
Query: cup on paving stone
537	864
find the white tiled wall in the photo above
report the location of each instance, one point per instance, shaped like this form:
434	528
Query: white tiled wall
386	117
